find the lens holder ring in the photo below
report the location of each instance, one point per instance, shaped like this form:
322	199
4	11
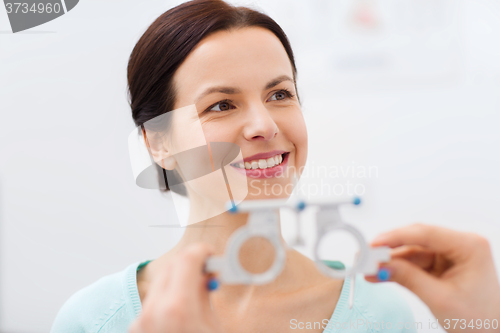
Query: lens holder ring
263	224
360	258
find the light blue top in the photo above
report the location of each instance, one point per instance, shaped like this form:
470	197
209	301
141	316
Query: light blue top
112	303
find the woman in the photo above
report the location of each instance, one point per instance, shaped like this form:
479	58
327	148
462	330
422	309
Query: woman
235	65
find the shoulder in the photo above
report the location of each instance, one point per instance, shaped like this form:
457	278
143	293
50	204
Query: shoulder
377	307
105	302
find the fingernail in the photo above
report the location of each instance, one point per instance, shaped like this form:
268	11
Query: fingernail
213	284
383	274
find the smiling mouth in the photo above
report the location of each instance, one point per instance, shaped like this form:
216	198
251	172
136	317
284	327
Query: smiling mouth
261	163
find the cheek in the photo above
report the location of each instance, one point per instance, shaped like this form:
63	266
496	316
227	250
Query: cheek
186	134
221	132
296	132
301	131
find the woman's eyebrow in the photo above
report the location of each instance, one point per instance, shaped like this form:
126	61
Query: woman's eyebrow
231	90
220	89
277	81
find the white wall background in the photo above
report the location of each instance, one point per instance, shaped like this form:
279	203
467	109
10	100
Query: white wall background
410	87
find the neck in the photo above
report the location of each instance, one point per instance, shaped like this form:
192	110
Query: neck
256	254
214	231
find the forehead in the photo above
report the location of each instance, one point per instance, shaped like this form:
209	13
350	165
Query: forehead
245	58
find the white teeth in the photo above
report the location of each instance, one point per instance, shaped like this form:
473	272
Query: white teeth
262	163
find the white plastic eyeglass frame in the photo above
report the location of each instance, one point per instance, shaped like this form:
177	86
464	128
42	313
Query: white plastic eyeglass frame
263	222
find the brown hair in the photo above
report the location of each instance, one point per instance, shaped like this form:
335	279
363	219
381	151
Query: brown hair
169	40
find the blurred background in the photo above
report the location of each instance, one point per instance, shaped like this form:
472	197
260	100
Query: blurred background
407	90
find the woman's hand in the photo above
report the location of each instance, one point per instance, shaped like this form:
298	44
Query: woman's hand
178	300
451	271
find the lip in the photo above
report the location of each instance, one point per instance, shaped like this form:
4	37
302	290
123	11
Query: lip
261	156
275	171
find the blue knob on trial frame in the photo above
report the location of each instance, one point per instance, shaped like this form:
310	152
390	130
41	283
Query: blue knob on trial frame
383	274
213	284
232	208
301	205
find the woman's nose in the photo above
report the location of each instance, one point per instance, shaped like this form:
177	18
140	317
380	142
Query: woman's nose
259	124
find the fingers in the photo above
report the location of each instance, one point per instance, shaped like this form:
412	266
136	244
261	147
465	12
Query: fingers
205	295
428	260
135	327
178	296
189	279
188	273
435	238
415	254
409	275
183	275
159	284
190	264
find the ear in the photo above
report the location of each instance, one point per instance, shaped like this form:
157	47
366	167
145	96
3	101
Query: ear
157	149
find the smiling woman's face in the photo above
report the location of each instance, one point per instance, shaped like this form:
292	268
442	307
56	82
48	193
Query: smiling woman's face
241	82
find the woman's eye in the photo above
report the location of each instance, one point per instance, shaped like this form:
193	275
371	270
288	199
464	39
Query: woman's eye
280	95
221	106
